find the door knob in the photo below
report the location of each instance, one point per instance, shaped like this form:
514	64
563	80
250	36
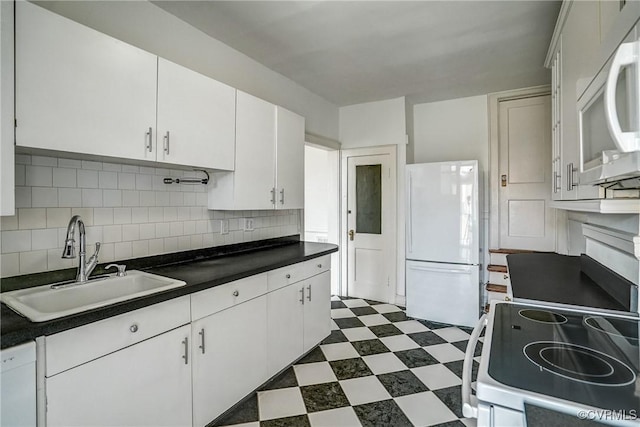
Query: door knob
503	180
351	234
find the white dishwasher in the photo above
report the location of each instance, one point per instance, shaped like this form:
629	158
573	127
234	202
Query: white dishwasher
18	385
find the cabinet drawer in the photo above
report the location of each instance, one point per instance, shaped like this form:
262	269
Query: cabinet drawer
294	273
224	296
76	346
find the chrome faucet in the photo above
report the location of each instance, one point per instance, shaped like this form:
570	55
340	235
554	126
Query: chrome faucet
69	251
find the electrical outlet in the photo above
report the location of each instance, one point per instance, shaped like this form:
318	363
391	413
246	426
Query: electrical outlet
247	224
224	226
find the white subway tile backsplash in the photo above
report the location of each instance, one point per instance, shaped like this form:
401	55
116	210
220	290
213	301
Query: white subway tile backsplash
46	238
70	197
87	178
112	198
64	177
108	180
112	233
127	208
39	176
126	181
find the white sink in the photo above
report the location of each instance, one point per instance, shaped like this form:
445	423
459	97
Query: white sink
46	303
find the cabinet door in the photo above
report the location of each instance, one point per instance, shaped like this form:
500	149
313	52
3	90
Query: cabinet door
81	91
284	326
147	384
317	309
229	358
196	118
290	160
255	153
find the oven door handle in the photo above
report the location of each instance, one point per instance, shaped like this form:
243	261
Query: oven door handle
470	402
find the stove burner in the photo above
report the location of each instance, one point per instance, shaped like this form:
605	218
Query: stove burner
543	316
579	363
618	327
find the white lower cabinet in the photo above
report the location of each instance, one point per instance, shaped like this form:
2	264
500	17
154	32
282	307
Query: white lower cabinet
299	317
229	358
146	384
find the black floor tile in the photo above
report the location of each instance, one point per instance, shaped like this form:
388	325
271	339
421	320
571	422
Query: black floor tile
372	302
402	383
426	338
466	329
335	337
433	325
462	345
247	412
452	397
363	311
456	423
456	368
345	298
297	421
396	316
368	347
284	380
385	330
315	355
416	357
384	413
338	304
321	397
348	322
350	368
401	307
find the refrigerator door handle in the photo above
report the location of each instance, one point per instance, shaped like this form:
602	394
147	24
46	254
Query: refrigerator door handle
410	222
441	270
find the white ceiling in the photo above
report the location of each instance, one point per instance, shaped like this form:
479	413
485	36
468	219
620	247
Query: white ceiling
358	51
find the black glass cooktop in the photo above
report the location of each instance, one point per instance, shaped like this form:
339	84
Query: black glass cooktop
587	358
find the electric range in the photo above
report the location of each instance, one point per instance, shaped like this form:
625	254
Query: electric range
579	362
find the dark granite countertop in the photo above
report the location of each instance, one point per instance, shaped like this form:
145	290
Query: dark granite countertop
200	269
555	278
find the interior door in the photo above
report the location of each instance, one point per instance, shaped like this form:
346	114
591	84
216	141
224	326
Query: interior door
370	222
526	220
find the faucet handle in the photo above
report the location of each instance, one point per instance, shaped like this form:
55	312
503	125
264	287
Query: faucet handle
121	269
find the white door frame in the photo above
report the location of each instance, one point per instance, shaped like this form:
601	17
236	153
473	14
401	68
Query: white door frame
494	100
392	238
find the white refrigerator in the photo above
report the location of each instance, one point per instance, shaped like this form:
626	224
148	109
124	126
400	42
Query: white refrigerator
443	235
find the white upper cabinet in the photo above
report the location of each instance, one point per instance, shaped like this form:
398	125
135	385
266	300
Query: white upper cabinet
196	118
80	91
269	169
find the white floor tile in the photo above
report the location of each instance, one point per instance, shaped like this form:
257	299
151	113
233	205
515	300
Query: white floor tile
386	308
341	417
284	402
373	319
425	409
256	424
469	422
358	334
436	376
364	390
355	303
314	373
452	334
384	363
341	313
445	352
399	342
411	326
334	326
339	351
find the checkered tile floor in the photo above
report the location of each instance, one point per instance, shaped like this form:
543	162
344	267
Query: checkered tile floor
377	368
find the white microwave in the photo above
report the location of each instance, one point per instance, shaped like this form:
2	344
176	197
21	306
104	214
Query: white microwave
609	119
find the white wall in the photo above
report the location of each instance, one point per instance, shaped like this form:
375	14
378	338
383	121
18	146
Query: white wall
456	129
149	27
127	208
316	192
373	123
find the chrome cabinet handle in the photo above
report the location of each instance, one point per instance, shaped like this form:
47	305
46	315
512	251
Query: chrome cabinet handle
282	196
309	289
236	293
185	356
273	196
166	143
201	346
319	265
288	276
555	181
570	171
133	328
149	142
302	297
